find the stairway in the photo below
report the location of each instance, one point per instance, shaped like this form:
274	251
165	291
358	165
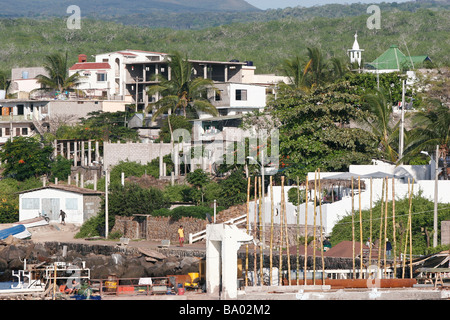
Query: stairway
194	237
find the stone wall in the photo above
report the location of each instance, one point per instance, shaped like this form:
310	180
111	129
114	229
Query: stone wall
158	228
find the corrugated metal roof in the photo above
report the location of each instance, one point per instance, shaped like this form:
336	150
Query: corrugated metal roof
68	188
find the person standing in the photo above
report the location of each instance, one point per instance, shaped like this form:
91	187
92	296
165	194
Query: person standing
181	235
388	248
63	216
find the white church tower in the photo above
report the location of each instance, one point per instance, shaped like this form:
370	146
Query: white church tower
355	53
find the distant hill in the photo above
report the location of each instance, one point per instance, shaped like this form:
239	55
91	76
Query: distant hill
116	8
196	14
25	42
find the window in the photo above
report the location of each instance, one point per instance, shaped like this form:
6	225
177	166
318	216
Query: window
72	204
7	132
18	132
20	108
101	77
218	96
30	204
24	131
241	95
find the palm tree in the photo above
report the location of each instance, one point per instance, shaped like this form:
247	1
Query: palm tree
58	78
431	128
296	70
380	126
318	67
182	91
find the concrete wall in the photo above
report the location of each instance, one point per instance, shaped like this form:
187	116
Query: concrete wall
445	232
142	153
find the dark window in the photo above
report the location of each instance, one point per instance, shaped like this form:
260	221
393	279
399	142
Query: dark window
101	77
241	95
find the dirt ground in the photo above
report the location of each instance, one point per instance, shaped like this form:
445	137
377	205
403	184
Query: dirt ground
57	232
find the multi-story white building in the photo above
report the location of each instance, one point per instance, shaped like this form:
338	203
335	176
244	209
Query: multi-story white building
125	75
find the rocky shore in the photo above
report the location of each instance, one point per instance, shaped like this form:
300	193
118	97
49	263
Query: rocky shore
102	260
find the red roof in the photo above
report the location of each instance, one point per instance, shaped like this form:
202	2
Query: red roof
90	66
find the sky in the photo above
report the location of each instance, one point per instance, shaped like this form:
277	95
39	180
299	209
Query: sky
276	4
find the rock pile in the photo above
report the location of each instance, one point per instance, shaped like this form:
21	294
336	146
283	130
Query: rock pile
100	259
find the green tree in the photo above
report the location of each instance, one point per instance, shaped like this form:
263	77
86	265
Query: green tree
57	68
314	130
233	189
198	179
422	223
60	168
431	128
25	157
133	199
182	91
379	125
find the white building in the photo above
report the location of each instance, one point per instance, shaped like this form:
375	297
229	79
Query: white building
355	52
79	204
23	81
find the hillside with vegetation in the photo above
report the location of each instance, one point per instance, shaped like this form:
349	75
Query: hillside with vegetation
26	42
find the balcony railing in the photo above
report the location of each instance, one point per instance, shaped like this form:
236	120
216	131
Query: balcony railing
15	118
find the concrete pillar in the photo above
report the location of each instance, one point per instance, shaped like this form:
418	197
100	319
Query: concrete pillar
76	179
89	153
95	181
222	244
97	152
82	153
55	150
61	151
68	150
122	176
69	179
161	162
205	71
75	157
82	180
226	73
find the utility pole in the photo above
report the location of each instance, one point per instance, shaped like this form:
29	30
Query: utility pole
435	222
106	203
402	123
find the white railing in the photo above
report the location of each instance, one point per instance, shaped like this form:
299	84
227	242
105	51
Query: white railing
194	237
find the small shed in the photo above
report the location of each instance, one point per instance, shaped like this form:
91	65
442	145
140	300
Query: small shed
79	204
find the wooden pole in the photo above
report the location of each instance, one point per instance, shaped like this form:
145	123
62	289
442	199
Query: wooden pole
410	231
385	227
254	232
314	228
394	236
261	257
353	232
306	232
321	231
406	236
54	282
286	230
381	228
361	256
271	230
370	232
248	223
280	276
298	231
